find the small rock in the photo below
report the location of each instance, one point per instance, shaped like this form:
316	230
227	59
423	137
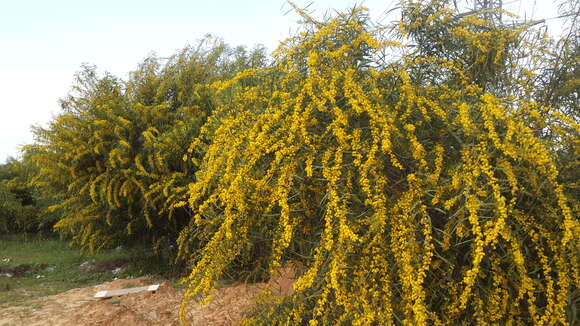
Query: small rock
152	315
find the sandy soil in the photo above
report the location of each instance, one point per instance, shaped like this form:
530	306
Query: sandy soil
77	307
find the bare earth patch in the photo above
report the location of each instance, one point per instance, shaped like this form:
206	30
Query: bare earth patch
78	307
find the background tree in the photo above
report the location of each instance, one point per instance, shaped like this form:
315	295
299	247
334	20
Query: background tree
116	153
23	207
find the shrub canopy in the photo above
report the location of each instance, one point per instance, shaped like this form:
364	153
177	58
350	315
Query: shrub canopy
417	190
115	155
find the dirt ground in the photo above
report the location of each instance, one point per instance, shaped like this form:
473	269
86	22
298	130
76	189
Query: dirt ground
78	307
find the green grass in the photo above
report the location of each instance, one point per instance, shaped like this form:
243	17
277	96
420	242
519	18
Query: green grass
56	267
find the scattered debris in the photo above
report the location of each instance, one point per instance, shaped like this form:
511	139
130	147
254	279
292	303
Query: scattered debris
6	260
152	315
22	270
117	270
110	265
116	293
87	266
79	307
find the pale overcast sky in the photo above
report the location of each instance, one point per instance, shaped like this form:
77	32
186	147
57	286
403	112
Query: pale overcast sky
43	43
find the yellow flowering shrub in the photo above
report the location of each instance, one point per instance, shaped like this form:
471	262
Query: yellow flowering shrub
415	191
22	207
116	154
